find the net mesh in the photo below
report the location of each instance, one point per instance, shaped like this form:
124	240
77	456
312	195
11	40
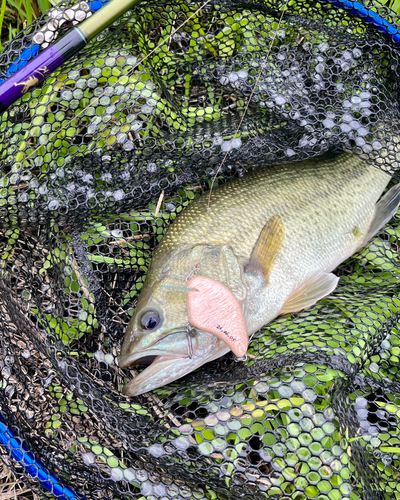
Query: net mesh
145	108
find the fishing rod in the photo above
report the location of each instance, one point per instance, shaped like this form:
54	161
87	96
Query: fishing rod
25	75
51	30
63	49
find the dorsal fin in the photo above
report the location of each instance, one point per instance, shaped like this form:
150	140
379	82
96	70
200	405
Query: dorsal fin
267	248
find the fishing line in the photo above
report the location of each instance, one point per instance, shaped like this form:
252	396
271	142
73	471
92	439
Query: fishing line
248	102
96	99
197	267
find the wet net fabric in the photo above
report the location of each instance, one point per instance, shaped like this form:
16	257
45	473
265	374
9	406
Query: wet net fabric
147	108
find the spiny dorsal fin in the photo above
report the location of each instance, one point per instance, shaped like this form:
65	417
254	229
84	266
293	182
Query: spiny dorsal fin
315	288
385	209
267	248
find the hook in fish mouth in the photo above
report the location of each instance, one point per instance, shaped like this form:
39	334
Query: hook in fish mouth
172	357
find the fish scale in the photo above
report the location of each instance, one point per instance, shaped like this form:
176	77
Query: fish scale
321	209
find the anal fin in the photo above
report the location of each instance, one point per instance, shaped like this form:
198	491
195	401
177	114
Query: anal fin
385	209
315	288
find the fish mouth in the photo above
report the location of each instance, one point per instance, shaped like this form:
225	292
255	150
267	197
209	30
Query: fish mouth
162	371
167	360
145	356
174	356
146	360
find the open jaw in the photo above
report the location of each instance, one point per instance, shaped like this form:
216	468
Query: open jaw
148	357
172	358
165	368
169	360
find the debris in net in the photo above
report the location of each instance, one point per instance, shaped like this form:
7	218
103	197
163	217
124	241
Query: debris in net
89	458
160	200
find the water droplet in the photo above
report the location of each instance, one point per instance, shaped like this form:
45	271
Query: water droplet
323	47
118	195
53	204
361	402
99	355
233	77
328	123
146	488
156	450
280	100
129	475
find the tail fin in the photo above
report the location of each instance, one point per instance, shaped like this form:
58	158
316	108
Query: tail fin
385	209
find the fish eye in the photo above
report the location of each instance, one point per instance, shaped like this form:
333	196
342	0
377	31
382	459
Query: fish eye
150	320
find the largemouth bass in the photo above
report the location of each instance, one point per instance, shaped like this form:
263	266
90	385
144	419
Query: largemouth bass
265	245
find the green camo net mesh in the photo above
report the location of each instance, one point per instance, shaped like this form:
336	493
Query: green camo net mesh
314	411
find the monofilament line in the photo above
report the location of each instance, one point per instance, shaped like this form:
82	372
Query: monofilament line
247	104
258	78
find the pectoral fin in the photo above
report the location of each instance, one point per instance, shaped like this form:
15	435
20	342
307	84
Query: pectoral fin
385	209
214	309
315	288
267	249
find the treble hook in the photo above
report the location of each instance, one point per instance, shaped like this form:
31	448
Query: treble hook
193	272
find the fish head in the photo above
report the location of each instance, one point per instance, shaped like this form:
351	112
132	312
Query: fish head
160	333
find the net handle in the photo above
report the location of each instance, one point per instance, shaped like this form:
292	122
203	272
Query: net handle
21	454
369	16
54	56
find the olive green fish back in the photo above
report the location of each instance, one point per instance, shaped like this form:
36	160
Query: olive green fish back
98	161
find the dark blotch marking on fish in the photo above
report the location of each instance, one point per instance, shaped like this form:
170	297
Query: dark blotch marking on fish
219	327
